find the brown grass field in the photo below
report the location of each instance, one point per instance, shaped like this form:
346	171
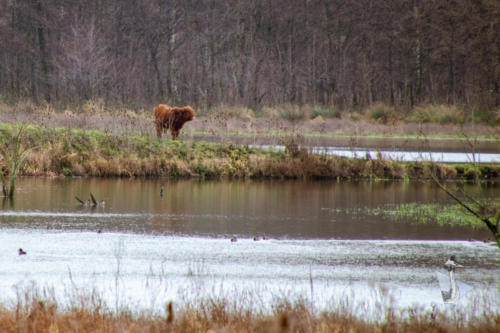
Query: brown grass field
35	311
230	120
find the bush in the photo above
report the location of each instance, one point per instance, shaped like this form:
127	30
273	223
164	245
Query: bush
481	116
381	113
293	112
25	106
67	172
94	107
325	112
496	118
442	114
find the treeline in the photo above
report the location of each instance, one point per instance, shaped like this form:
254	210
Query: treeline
346	53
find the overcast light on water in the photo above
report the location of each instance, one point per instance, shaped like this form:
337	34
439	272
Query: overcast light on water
293	240
404	156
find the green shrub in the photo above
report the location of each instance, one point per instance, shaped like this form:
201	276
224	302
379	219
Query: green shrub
381	113
442	114
325	112
67	172
482	116
293	112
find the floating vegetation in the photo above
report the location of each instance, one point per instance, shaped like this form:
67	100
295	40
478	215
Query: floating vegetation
452	215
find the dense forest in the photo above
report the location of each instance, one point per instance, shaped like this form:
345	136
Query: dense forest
347	53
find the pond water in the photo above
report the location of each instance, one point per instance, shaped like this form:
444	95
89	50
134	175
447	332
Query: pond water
314	240
398	149
403	156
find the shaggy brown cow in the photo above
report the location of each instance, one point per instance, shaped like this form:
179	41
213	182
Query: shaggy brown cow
171	117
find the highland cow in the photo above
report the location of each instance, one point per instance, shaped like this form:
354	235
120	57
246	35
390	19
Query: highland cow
171	118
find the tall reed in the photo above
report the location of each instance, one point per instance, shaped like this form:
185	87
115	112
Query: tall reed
12	157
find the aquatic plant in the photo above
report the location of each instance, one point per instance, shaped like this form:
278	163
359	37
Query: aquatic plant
488	214
454	215
12	157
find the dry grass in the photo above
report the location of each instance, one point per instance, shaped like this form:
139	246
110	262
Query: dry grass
36	311
226	120
441	114
102	154
97	141
383	114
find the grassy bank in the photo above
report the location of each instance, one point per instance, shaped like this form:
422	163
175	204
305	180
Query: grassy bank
76	152
40	312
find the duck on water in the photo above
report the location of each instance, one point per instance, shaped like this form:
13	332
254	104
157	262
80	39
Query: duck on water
92	202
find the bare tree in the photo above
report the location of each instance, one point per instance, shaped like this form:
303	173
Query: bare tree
83	62
348	54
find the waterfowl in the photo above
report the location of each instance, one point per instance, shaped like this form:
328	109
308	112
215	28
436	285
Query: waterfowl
83	203
21	252
161	192
452	295
96	203
256	239
234	239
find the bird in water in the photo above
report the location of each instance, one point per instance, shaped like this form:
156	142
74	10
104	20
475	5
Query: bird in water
92	202
234	239
96	203
21	252
161	192
453	294
83	203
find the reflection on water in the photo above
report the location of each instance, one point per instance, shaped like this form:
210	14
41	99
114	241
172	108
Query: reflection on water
178	243
278	209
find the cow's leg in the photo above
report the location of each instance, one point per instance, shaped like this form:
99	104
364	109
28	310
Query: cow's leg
159	129
175	133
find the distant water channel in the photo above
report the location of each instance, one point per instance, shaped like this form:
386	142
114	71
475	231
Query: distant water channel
174	245
397	149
